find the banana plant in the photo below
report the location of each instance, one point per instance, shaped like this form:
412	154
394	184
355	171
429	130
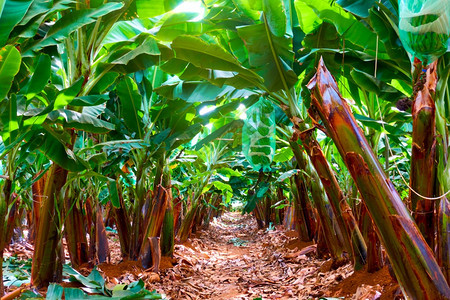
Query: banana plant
210	159
85	67
421	269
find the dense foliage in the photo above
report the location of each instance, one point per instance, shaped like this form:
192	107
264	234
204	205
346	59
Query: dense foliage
153	116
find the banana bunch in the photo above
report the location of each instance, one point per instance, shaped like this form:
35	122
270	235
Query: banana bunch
425	29
258	135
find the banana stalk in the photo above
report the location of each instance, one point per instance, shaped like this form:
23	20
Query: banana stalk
332	240
123	224
47	264
423	157
299	213
75	232
154	226
351	236
443	253
412	260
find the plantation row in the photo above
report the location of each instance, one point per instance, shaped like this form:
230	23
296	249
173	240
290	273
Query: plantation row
151	117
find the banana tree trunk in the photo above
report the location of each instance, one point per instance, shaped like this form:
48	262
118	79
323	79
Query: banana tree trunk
101	239
47	260
75	232
215	204
414	265
352	237
38	193
288	221
177	214
123	224
187	223
423	156
305	204
299	214
443	253
280	212
374	258
5	198
153	227
334	244
167	234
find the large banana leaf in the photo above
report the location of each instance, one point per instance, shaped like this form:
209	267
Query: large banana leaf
138	53
229	127
125	30
130	100
192	91
361	7
13	12
9	66
63	98
348	26
270	55
39	11
51	146
182	23
40	77
80	121
69	23
9	120
206	57
153	8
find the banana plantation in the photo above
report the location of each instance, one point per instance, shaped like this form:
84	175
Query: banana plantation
224	149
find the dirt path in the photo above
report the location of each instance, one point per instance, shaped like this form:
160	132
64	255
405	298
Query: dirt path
232	259
235	260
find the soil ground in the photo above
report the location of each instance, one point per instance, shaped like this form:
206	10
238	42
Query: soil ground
232	259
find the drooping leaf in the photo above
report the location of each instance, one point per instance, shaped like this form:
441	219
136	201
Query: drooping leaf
287	174
66	96
39	11
9	120
105	82
40	77
180	24
13	11
283	155
113	193
54	292
370	83
222	186
9	66
358	7
276	19
63	99
229	127
124	30
138	53
71	22
271	55
91	100
207	56
347	25
80	121
153	8
307	18
192	91
229	172
130	105
59	153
